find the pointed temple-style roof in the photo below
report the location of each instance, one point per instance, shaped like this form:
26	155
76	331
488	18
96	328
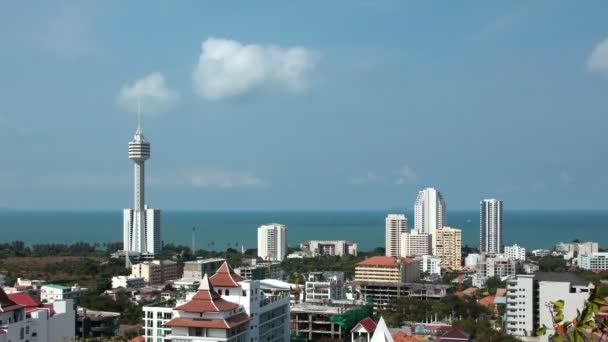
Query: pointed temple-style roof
30	304
367	323
382	334
225	277
207	300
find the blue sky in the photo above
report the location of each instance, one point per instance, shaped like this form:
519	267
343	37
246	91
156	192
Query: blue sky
305	105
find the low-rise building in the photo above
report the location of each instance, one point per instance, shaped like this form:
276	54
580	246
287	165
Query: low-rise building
226	307
498	265
97	324
430	264
330	247
312	320
23	318
155	271
324	286
127	282
515	252
52	292
528	297
381	293
255	270
387	269
541	252
472	260
530	268
595	261
578	247
200	267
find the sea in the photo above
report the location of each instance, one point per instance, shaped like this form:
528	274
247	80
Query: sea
218	230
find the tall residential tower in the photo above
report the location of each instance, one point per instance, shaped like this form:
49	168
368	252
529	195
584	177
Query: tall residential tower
396	224
272	241
429	211
141	224
490	226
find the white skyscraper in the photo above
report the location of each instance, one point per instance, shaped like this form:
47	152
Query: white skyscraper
141	224
430	211
490	226
272	241
396	224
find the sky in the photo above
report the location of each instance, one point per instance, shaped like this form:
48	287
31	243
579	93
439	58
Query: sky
311	105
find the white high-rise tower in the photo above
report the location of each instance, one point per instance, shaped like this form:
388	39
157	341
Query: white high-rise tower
429	211
396	224
490	226
141	224
272	241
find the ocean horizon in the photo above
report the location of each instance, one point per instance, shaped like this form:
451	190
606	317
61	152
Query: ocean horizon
221	229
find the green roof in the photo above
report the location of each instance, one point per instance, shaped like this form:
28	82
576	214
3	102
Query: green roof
58	287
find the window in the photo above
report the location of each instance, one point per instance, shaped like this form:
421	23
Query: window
227	292
244	293
219	292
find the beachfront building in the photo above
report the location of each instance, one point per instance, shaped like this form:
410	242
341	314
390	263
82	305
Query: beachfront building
387	269
594	262
330	247
395	225
429	211
200	267
490	226
141	224
155	271
128	282
324	286
272	242
23	318
226	307
528	295
415	244
448	247
515	252
578	248
50	293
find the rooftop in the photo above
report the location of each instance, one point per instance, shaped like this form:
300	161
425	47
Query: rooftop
55	286
561	277
384	261
205	261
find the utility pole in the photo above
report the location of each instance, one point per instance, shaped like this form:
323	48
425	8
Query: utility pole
193	240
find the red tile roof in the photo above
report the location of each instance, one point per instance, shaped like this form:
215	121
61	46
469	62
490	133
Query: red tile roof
367	323
229	323
488	300
137	339
401	336
6	304
207	300
501	292
384	261
31	304
225	277
455	335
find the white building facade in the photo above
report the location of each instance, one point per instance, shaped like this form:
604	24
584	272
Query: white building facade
51	292
395	225
430	264
429	211
594	262
490	226
528	296
324	286
415	244
515	252
330	247
128	282
272	241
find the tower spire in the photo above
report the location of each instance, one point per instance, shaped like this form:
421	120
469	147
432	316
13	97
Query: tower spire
138	115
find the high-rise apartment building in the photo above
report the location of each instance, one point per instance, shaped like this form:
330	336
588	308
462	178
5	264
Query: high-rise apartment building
141	224
272	241
429	211
396	224
448	245
415	244
490	226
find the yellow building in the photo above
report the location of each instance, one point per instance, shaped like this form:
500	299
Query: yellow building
156	271
385	269
448	245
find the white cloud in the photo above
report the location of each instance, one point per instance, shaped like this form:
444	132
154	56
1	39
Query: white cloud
598	61
227	68
223	179
150	90
406	175
369	177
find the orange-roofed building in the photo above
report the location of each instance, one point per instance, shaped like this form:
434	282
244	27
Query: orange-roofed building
387	269
401	336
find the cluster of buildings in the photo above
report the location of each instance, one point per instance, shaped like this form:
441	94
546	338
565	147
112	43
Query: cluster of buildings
431	241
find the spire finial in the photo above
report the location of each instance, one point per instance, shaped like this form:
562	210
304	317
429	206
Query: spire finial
138	114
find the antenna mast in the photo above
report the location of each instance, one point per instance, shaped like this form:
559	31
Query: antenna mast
193	239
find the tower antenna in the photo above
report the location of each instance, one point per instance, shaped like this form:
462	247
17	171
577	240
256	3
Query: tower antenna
193	239
139	114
